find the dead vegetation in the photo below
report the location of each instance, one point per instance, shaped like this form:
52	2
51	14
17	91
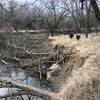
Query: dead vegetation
68	64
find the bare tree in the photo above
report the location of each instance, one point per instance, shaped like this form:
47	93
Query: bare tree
12	6
72	7
52	16
96	9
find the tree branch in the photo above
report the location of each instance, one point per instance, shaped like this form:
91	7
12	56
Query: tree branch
31	90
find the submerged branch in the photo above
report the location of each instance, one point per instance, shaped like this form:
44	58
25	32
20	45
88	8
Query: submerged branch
13	94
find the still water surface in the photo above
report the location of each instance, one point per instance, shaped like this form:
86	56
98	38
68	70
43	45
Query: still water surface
15	73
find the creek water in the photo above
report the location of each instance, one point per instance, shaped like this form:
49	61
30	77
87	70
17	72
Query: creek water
15	73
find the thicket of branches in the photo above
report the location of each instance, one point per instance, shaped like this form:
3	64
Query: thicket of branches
52	15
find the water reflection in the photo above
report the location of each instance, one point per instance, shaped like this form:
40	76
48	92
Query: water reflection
17	74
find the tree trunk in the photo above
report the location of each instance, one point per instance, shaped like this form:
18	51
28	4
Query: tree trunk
52	32
96	9
30	90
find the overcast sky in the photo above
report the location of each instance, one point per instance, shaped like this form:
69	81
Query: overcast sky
21	1
24	0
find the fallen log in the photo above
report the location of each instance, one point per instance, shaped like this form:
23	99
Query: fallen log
47	95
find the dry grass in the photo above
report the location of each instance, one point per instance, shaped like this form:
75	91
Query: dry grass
81	80
86	46
80	85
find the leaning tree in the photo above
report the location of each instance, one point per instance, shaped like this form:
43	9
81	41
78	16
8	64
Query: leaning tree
95	8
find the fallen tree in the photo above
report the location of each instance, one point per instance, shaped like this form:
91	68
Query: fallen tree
79	81
29	90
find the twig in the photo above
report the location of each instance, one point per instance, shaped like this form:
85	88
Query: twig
39	65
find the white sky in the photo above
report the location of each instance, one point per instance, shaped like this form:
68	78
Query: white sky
20	1
25	0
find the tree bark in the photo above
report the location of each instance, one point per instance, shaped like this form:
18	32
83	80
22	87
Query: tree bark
31	90
96	9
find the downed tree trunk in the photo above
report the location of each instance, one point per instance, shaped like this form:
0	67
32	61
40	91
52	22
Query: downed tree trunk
31	90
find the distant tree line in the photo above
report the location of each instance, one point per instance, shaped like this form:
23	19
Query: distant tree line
54	16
